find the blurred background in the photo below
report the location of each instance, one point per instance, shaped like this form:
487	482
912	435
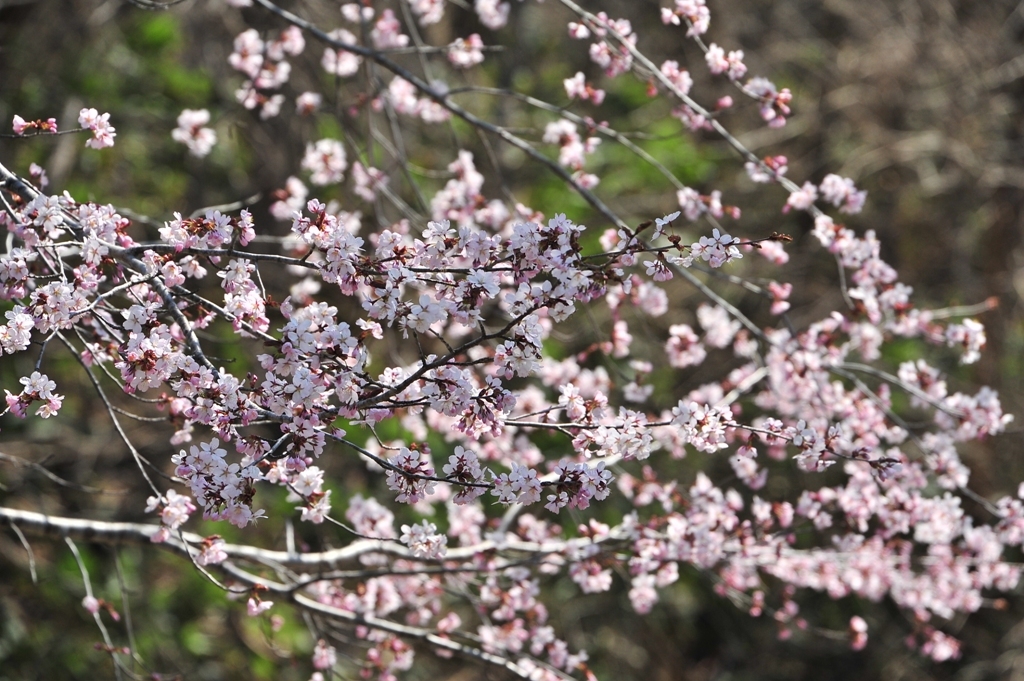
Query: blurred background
919	101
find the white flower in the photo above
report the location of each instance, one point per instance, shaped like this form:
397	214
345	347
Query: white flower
423	540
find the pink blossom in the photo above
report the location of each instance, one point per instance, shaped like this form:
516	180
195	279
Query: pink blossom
247	55
407	476
423	540
680	78
20	125
464	53
341	62
102	132
428	11
290	200
355	13
683	347
840	191
91	605
191	133
715	58
521	485
212	552
326	162
716	250
577	88
255	607
803	198
368	181
464	467
308	103
970	335
387	32
492	13
578	31
780	294
941	647
324	656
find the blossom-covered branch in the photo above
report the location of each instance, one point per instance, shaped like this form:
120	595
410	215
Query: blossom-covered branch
427	353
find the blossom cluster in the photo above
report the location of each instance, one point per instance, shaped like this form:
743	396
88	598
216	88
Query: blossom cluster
191	132
449	325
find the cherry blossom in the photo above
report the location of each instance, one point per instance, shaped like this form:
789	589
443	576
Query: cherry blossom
102	132
341	62
190	132
428	11
326	162
464	53
21	126
423	540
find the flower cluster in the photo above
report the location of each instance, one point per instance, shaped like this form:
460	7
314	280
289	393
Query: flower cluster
440	327
38	388
423	540
103	133
174	512
264	65
192	133
224	490
21	126
409	475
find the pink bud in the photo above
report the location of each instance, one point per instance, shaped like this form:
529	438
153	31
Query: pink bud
91	604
